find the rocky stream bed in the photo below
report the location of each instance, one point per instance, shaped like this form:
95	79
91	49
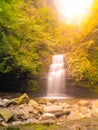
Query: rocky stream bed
24	113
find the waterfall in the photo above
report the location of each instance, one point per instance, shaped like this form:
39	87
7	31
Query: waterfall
56	77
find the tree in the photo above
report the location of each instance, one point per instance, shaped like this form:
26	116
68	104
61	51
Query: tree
24	41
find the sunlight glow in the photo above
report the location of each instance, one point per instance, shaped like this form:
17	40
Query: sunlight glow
71	9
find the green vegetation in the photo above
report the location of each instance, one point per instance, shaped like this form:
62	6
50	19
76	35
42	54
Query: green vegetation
30	33
25	36
32	127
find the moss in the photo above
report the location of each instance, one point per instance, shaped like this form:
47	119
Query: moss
5	114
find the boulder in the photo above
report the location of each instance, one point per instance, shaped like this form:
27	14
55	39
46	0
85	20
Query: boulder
95	109
21	100
95	112
47	118
95	104
35	105
48	103
2	104
67	111
5	102
54	109
75	116
19	114
62	118
3	124
75	108
22	113
84	110
83	102
88	115
5	114
65	105
30	109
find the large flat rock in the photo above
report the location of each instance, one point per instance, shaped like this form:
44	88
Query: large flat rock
54	109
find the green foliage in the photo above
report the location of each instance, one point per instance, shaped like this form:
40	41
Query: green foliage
26	33
80	45
30	33
33	85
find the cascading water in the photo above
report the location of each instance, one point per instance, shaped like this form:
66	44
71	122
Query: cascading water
56	77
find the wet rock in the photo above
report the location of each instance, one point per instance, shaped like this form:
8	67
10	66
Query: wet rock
47	118
74	116
5	114
54	109
84	102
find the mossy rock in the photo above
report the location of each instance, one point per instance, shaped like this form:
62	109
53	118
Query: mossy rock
21	100
6	115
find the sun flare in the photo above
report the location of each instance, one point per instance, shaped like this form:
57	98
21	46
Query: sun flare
71	9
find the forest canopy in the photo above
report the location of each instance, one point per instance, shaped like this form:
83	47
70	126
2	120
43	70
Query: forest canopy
30	32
